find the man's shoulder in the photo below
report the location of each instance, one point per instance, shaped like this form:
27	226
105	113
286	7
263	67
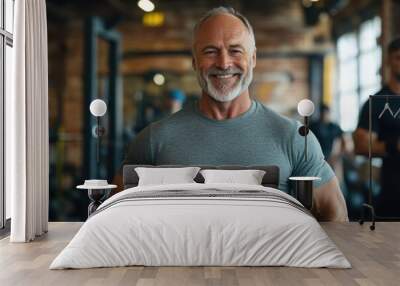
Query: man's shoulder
275	119
174	121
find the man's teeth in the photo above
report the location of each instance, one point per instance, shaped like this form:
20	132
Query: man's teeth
224	75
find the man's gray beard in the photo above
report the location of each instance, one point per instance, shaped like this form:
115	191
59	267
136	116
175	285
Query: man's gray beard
225	95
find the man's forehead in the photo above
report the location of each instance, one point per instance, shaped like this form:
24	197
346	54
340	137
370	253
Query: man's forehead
222	27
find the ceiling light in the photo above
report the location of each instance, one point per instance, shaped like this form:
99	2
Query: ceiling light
153	19
159	79
146	5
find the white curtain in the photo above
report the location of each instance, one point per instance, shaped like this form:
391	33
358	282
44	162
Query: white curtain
27	159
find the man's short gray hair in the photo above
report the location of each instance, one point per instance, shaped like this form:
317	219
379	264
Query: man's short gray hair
220	11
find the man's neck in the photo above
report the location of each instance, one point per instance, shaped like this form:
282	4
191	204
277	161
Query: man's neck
224	110
394	85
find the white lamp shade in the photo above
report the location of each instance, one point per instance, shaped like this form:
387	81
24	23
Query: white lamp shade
98	107
305	107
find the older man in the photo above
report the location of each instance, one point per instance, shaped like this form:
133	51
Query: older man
226	126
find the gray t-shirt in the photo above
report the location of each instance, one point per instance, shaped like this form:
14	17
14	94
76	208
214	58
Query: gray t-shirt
259	136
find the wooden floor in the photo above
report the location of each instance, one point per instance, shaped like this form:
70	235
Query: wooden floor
374	255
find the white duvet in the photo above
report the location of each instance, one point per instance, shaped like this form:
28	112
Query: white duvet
185	231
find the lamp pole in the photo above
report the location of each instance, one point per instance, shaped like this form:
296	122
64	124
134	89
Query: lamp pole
305	136
98	108
98	140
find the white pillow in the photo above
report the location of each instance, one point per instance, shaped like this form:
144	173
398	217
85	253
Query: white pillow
163	176
248	177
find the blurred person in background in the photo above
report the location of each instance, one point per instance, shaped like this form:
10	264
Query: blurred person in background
174	101
153	108
385	137
329	135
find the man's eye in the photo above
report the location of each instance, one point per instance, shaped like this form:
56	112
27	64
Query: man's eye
236	52
209	52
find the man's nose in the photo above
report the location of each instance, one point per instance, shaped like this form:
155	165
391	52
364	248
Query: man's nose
223	60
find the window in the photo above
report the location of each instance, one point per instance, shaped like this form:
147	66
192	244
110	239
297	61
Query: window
360	60
6	65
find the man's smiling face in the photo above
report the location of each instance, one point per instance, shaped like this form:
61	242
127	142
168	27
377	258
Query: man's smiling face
224	57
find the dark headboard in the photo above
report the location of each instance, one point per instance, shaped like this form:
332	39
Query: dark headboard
270	179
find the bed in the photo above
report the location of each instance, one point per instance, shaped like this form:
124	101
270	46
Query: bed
201	224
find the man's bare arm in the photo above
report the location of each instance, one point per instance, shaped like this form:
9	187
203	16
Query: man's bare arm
361	143
329	203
